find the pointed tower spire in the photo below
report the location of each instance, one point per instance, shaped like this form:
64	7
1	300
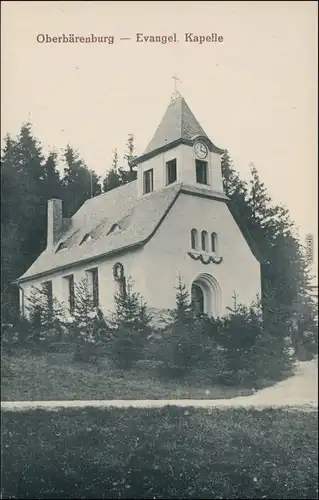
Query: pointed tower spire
180	151
177	124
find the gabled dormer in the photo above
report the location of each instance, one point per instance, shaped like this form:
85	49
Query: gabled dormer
180	151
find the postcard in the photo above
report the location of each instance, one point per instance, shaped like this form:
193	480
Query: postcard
159	249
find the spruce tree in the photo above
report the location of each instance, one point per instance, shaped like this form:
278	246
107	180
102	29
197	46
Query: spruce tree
283	267
23	212
45	316
130	154
130	174
79	182
131	321
118	175
52	182
30	155
183	313
112	178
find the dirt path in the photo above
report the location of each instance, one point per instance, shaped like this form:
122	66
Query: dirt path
299	391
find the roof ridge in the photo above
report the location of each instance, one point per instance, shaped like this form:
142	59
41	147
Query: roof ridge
108	192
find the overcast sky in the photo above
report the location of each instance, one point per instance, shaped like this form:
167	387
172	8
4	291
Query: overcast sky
254	94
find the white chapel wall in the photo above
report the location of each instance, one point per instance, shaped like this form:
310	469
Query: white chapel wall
166	254
186	173
107	285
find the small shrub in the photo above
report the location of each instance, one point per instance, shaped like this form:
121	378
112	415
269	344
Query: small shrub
86	326
251	351
307	339
44	317
80	319
310	342
8	337
85	351
7	373
175	351
187	343
131	327
16	335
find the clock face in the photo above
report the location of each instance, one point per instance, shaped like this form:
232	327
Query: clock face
201	150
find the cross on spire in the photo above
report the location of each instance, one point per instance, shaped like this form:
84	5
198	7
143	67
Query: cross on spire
176	94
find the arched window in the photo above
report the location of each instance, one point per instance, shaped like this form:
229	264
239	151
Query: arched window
194	238
214	243
61	246
205	241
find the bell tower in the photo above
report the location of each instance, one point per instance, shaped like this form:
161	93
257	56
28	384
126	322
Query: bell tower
179	152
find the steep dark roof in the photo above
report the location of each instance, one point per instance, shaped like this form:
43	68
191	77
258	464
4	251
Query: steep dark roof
178	122
255	249
135	218
178	125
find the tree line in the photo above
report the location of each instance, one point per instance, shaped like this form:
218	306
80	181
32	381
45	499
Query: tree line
30	179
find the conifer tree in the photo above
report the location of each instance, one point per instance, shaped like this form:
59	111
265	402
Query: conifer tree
52	181
130	154
112	178
28	181
118	175
30	155
79	182
184	339
284	270
23	212
183	313
130	174
83	312
132	323
42	313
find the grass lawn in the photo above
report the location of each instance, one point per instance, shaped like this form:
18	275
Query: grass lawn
28	376
159	453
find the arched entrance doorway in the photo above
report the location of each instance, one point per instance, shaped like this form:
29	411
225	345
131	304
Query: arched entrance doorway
206	295
197	299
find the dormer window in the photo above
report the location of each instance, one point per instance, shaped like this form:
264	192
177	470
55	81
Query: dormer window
61	246
171	171
87	237
114	228
148	181
201	171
